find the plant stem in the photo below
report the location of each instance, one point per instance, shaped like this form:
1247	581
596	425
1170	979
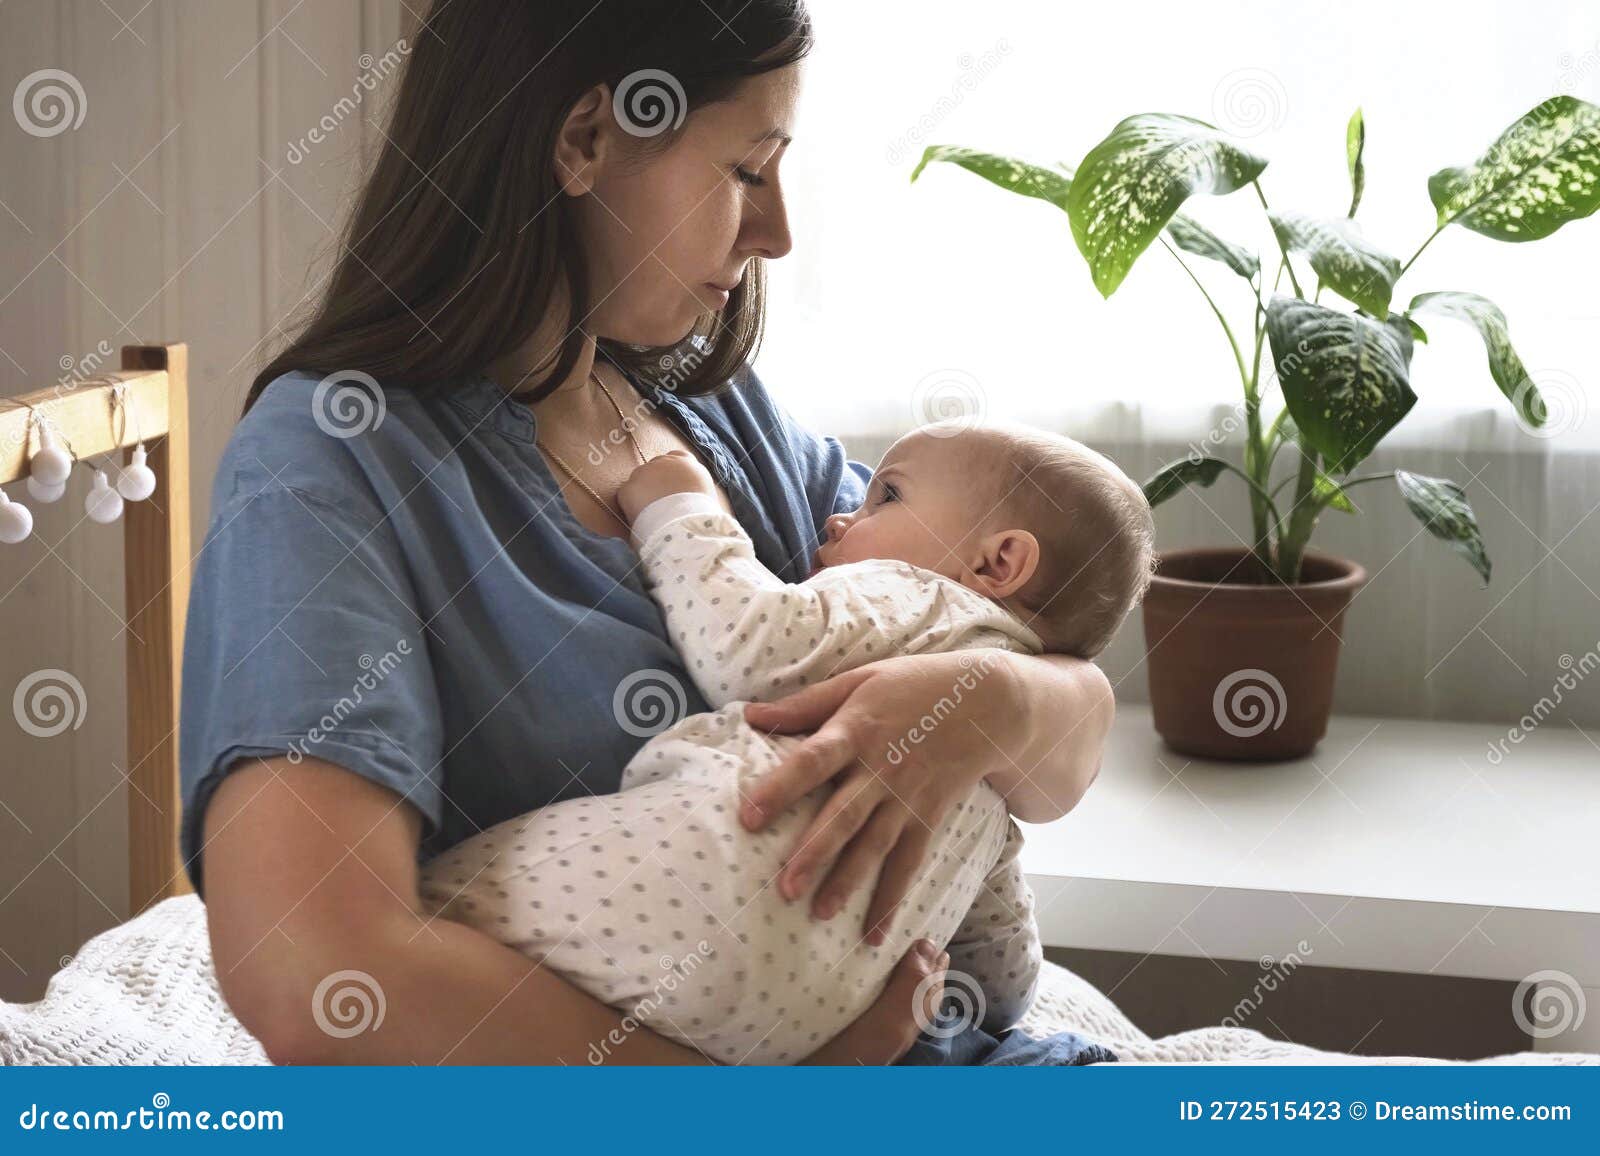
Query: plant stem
1418	253
1302	518
1260	503
1348	482
1226	328
1265	207
1255	490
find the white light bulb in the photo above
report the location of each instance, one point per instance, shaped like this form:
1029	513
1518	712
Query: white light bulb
137	481
40	492
103	504
50	463
16	520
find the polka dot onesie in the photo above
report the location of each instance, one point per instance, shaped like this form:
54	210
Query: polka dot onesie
658	902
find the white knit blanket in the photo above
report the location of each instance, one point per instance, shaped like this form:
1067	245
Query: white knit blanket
145	993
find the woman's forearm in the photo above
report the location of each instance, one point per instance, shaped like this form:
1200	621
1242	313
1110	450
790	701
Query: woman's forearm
309	921
452	995
1063	707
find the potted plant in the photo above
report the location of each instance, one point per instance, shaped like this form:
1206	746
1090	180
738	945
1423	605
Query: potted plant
1243	642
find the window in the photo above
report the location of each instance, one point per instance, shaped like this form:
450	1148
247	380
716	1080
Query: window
961	287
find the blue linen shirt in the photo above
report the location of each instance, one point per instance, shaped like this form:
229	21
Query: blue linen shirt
415	601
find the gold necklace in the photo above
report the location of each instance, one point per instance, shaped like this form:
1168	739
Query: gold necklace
626	428
573	474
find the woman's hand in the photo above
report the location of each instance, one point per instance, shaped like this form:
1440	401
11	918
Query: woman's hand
903	739
886	1030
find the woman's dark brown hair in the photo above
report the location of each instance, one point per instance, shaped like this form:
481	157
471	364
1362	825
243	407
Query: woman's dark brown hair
461	240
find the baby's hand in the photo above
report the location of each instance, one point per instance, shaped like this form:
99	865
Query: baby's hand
674	472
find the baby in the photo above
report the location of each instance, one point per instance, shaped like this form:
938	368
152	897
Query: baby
656	900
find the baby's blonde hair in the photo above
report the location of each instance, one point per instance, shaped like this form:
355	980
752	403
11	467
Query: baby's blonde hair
1095	530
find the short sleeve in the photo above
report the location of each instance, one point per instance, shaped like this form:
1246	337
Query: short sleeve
303	638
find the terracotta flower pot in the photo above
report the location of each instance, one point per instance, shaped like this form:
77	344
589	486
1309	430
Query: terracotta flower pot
1241	665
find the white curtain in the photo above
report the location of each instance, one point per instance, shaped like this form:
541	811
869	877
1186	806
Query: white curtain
899	297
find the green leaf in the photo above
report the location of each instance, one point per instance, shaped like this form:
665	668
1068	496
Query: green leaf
1504	365
1131	183
1193	237
1355	143
1327	492
1542	172
1404	330
1052	185
1347	262
1345	377
1324	490
1442	507
1174	476
1015	176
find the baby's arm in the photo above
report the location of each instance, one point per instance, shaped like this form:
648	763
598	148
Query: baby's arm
997	943
744	633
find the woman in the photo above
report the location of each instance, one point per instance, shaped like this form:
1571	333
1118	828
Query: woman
417	613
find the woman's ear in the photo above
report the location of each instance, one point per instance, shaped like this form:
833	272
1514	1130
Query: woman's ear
1006	560
581	141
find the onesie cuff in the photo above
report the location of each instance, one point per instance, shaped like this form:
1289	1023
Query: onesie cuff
669	508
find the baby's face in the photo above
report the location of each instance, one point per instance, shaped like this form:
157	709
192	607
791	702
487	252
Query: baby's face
917	509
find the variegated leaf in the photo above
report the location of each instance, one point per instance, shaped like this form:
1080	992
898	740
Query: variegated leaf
1442	507
1345	377
1193	237
1052	185
1174	476
1348	263
1504	365
1542	172
1355	143
1015	176
1131	183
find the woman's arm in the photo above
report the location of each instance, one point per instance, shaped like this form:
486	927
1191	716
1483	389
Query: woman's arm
1049	750
901	746
295	906
311	871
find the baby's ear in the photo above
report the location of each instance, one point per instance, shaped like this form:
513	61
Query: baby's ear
1006	560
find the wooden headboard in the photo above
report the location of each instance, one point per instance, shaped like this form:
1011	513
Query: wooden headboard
157	560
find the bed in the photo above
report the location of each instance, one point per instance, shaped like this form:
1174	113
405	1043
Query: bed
145	992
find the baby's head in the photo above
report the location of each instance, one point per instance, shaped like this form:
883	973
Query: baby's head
1045	526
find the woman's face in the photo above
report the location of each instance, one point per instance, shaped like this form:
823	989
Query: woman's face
662	233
